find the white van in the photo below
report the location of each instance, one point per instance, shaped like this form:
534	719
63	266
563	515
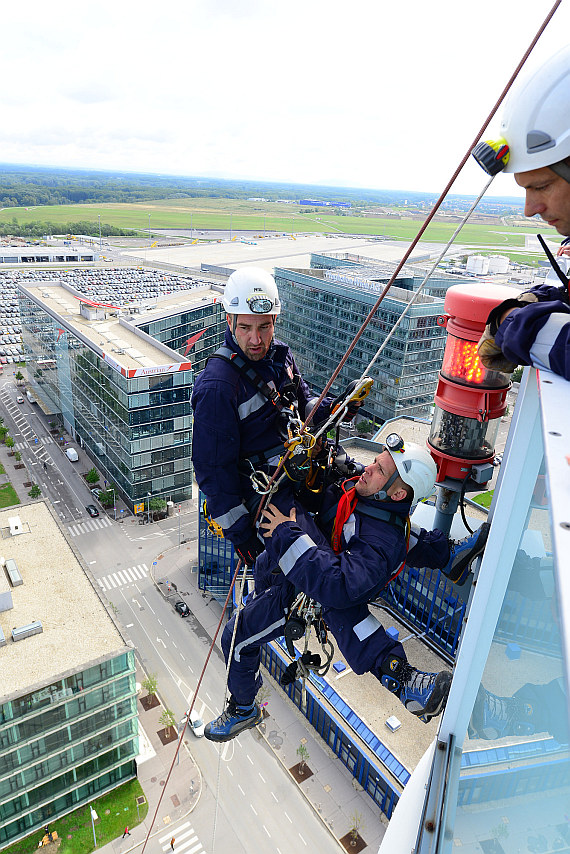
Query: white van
30	396
71	454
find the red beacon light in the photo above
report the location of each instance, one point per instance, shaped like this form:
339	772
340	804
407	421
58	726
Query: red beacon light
470	399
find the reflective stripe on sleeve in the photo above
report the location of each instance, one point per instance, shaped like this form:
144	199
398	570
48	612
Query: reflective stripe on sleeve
546	340
231	517
366	627
294	552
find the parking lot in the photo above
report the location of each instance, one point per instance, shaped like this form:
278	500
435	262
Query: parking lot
121	286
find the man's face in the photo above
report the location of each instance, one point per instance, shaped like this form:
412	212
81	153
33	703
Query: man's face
547	194
376	476
253	334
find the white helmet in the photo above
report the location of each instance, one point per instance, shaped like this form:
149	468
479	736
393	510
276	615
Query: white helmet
536	123
251	291
414	464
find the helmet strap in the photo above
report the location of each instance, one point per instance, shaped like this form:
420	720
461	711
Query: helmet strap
382	494
562	168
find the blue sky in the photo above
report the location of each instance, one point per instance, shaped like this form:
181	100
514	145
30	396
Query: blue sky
369	93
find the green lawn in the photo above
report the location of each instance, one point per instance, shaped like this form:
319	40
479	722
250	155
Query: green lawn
216	213
115	810
8	496
485	498
2	469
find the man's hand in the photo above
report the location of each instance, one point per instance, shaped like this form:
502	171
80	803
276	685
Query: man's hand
272	516
491	354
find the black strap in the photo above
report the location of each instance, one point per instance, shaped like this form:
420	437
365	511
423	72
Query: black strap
553	263
246	371
367	510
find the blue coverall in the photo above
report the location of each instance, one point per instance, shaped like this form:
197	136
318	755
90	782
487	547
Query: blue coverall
538	333
344	584
233	421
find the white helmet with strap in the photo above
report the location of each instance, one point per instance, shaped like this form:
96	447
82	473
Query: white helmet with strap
535	121
414	465
251	291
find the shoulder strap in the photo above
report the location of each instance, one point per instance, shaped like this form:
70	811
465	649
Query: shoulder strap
249	374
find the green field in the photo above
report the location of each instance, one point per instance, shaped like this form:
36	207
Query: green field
8	496
240	215
115	810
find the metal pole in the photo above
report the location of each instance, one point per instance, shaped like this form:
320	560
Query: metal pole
91	810
179	526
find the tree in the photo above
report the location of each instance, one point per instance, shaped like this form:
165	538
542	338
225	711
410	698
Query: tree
355	825
3	433
150	684
107	497
303	755
35	491
364	427
18	456
19	377
157	505
92	476
9	442
168	720
517	375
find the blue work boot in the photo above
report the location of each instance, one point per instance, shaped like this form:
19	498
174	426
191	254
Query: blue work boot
233	721
423	694
496	717
463	553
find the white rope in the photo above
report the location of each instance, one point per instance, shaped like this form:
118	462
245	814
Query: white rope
428	275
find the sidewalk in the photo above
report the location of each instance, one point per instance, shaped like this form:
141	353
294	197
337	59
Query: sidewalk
331	791
184	787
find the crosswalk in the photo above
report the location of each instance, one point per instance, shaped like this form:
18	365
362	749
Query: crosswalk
185	840
123	576
43	440
88	525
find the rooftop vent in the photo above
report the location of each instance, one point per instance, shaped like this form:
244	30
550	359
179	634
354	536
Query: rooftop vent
16	526
2	638
22	632
14	574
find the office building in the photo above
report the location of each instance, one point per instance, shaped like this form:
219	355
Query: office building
68	716
122	394
325	308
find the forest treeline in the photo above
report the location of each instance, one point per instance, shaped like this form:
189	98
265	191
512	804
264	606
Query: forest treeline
36	230
25	186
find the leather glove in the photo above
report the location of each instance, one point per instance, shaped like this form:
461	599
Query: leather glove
249	550
490	353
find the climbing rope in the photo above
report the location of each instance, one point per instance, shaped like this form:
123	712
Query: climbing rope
341	364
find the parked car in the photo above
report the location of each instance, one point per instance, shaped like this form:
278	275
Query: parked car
96	491
182	608
92	510
498	460
20	399
196	724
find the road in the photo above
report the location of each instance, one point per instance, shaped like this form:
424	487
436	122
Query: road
247	796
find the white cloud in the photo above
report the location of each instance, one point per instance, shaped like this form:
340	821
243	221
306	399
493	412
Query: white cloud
367	93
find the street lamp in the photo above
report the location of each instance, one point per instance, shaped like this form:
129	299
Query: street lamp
94	818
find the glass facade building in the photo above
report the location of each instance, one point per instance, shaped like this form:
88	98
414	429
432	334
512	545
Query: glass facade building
136	424
202	328
66	742
324	310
